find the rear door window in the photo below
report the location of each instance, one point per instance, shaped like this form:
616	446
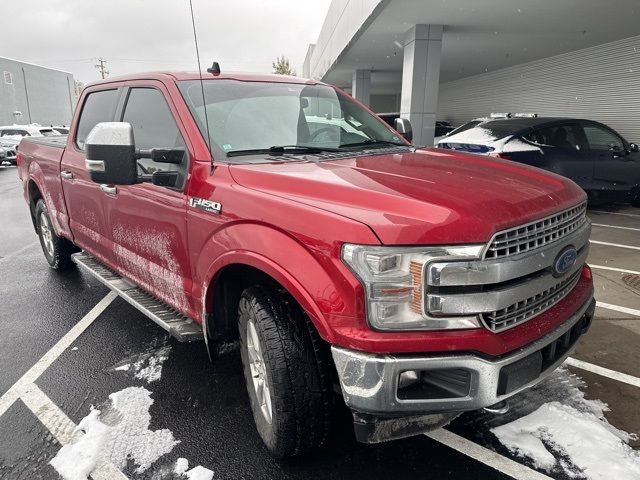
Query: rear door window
98	107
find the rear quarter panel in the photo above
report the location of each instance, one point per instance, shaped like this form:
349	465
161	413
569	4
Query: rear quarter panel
40	164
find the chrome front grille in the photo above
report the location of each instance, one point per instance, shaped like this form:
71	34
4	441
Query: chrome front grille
536	234
525	309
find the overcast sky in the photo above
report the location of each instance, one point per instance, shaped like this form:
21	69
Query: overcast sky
143	35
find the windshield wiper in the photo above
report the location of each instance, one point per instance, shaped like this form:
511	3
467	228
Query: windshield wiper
371	141
281	149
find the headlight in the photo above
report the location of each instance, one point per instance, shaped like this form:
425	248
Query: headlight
393	280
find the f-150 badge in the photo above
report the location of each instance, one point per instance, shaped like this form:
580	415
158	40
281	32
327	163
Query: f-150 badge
206	205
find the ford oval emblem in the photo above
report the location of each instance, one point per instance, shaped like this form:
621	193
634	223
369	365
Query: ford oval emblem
564	261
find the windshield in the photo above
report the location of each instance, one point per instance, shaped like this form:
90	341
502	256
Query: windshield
250	116
49	132
464	127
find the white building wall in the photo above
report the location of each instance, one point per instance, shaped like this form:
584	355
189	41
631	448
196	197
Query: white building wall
601	83
42	95
343	21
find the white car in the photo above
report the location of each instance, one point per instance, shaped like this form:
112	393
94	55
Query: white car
10	136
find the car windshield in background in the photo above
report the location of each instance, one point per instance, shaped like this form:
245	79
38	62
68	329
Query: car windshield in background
49	132
258	117
464	127
489	130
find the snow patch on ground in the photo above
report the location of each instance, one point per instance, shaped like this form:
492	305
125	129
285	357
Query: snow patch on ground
569	434
75	461
226	347
196	473
146	366
116	434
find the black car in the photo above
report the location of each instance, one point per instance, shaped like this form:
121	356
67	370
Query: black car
591	154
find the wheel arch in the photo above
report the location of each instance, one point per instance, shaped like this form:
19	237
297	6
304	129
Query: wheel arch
237	270
35	193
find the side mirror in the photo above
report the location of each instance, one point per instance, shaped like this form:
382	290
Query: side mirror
111	154
403	127
112	157
633	147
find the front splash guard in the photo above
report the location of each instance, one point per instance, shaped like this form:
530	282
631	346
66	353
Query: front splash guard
374	429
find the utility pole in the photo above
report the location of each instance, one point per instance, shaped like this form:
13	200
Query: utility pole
102	67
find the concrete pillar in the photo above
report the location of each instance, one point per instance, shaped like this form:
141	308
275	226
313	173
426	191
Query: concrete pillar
361	86
420	80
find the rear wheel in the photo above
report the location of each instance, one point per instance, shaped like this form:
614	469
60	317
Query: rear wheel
57	250
286	370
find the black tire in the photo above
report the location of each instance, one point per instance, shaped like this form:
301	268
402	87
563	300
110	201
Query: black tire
58	251
297	368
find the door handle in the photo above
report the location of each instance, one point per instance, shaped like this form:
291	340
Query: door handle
108	189
66	174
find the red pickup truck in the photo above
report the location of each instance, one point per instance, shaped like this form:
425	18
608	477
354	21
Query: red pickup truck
418	283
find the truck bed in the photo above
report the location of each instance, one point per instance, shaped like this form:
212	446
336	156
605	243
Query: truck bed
57	141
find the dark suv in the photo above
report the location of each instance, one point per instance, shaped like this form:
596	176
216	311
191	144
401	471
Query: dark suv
591	154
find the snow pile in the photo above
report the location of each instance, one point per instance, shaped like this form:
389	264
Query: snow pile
475	135
146	366
196	473
115	435
517	145
76	461
570	434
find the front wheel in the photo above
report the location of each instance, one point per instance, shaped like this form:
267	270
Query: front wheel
57	250
287	373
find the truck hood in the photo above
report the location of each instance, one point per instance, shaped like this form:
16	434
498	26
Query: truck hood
429	196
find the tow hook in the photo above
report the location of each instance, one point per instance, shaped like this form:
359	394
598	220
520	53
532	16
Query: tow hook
498	408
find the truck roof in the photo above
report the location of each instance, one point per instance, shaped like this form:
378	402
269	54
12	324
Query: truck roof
194	75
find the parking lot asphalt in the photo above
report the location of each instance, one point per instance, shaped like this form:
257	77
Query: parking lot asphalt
105	346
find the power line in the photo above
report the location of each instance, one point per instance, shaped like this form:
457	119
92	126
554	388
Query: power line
102	67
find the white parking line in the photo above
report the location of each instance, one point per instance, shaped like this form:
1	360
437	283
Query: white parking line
620	245
618	308
54	419
488	457
19	251
62	428
614	269
617	213
605	372
48	358
65	342
616	226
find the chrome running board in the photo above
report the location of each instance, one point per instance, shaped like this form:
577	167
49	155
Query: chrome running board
182	328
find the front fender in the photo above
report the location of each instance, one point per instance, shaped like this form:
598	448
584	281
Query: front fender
319	282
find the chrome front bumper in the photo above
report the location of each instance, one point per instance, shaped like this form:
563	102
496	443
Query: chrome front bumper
370	383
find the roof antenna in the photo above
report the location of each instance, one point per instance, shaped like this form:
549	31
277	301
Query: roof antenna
204	103
215	68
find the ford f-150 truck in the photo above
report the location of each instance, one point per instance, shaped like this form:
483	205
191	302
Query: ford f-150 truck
415	284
